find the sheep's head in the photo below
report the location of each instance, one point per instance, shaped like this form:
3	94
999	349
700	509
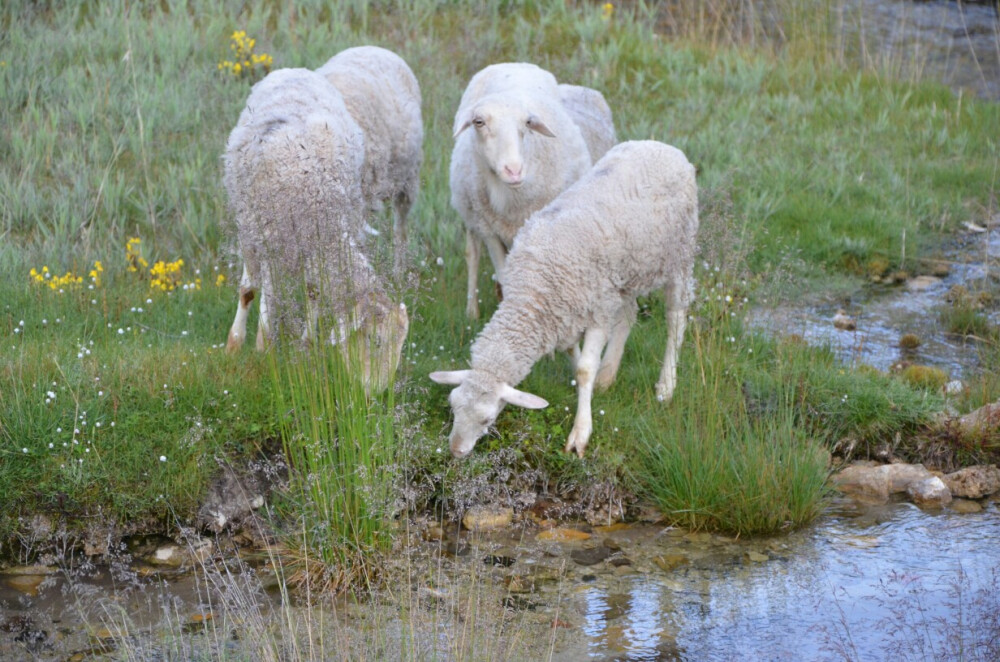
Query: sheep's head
476	401
375	343
501	127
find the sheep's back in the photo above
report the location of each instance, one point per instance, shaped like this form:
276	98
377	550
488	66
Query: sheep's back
620	231
382	94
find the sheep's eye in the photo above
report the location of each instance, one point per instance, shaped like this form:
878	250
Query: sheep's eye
484	423
478	123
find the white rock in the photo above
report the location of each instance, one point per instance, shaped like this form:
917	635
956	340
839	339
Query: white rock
929	493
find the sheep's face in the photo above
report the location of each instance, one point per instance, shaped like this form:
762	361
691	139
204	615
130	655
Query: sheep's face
476	402
500	142
373	347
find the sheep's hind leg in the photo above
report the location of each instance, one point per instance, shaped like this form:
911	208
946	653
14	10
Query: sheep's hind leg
677	296
401	210
238	331
586	371
498	255
616	347
472	267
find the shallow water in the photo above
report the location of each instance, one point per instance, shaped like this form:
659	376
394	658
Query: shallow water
861	583
884	314
957	43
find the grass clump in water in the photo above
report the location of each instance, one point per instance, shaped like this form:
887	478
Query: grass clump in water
340	443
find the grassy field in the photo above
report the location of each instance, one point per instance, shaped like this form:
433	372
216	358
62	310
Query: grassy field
118	404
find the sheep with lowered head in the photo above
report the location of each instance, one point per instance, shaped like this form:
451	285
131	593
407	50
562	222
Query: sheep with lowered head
382	95
293	173
516	148
576	268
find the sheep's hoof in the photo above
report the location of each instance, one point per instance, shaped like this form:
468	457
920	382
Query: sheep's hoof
664	394
577	442
233	343
499	292
605	378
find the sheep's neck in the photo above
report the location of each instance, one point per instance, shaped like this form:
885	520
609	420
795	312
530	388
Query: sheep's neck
515	338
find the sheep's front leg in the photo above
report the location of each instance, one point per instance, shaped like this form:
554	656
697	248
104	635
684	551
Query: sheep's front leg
586	372
238	331
472	267
677	297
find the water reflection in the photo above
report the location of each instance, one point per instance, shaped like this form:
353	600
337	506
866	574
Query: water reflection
847	588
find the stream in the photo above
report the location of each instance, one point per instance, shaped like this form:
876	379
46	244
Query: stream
861	583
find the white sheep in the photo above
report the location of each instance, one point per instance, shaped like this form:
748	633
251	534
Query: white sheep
592	114
523	150
382	95
293	173
576	268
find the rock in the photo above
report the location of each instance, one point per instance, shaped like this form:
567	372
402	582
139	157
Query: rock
966	507
901	475
433	533
499	561
31	570
172	555
26	584
590	556
561	534
954	387
843	321
864	481
670	562
922	283
982	420
604	516
974	482
940	269
757	557
929	493
487	518
234	495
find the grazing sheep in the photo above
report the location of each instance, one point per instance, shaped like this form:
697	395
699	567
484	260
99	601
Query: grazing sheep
523	150
592	114
382	95
293	172
576	268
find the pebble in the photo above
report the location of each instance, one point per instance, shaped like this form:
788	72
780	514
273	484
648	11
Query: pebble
484	518
561	534
590	556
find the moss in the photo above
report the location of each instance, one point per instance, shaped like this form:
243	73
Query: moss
925	377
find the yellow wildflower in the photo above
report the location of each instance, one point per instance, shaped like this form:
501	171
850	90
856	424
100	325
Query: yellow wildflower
607	10
219	280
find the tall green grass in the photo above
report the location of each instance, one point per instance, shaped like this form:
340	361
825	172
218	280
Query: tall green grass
340	444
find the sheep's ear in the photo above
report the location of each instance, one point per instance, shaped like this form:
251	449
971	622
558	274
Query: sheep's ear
452	377
538	126
462	123
511	395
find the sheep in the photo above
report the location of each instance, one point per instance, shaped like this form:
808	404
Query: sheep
524	149
383	96
575	269
591	113
293	173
